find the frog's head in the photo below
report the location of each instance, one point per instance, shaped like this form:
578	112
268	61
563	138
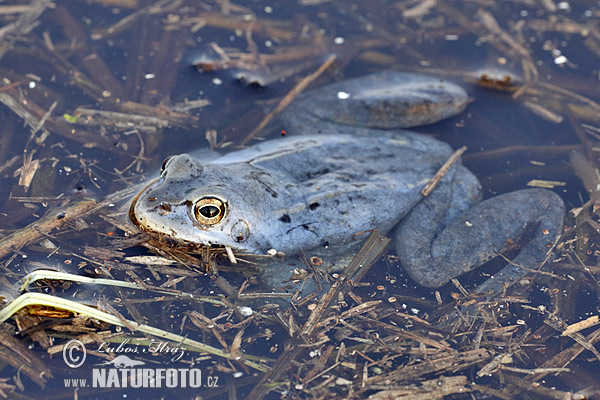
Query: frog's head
193	203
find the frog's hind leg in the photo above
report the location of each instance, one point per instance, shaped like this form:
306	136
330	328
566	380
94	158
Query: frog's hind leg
477	235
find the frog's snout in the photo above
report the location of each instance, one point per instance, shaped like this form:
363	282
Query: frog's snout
144	196
132	214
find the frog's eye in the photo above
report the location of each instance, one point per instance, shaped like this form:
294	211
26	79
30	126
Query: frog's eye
209	210
164	164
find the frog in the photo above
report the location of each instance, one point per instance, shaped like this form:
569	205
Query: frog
347	166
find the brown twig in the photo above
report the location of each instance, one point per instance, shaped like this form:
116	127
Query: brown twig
37	229
426	191
289	97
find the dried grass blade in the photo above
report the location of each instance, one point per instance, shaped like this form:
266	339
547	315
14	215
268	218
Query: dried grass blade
40	299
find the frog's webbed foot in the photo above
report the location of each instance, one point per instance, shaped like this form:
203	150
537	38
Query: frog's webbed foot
433	258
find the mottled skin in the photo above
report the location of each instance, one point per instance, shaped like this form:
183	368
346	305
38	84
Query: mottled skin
301	192
347	168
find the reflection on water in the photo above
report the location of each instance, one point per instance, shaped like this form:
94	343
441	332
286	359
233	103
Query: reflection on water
95	96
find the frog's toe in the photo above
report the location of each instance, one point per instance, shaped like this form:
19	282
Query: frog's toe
546	212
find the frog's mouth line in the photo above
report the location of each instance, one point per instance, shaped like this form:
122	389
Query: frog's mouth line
179	249
194	255
184	245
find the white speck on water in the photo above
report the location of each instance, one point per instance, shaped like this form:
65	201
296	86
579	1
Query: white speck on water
564	5
217	81
238	374
268	9
246	311
32	85
451	37
560	60
338	40
149	76
343	95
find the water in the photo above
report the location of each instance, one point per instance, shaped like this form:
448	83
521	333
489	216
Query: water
90	56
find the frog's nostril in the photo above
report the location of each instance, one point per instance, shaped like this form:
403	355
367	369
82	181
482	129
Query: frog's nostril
182	167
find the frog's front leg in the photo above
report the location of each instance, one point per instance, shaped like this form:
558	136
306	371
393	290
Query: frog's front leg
433	254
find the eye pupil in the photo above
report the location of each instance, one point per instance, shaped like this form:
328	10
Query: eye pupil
209	211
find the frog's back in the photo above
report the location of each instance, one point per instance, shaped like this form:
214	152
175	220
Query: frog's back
323	188
405	160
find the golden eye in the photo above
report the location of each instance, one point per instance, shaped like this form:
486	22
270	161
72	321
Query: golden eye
209	210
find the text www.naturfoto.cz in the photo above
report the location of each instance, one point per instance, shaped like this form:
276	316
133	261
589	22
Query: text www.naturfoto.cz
75	383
